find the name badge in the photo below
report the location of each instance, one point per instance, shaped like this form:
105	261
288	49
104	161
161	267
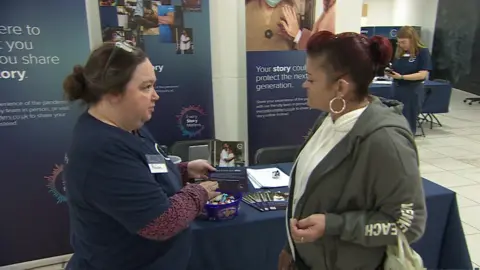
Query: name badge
156	163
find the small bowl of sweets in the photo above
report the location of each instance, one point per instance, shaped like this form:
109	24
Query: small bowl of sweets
223	207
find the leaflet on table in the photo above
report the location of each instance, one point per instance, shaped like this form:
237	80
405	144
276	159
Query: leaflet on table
266	200
229	154
231	179
267	178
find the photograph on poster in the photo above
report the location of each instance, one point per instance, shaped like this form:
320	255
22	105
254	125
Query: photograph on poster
286	25
276	36
192	5
166	19
144	18
229	154
184	40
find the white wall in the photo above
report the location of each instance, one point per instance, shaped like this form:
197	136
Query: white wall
228	41
380	13
421	13
429	16
348	16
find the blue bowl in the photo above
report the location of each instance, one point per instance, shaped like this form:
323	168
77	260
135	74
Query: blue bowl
221	212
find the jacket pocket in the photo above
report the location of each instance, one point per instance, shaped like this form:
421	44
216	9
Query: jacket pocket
330	255
349	256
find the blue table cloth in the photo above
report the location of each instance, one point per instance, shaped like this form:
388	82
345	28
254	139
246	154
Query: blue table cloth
254	239
437	102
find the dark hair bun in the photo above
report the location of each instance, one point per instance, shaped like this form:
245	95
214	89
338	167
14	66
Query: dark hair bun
318	40
74	85
381	50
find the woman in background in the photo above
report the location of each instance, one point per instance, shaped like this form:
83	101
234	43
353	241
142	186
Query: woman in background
224	156
262	25
185	42
326	22
356	183
411	67
230	158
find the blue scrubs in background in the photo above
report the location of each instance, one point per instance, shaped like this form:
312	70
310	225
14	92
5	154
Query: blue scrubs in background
165	29
411	93
113	194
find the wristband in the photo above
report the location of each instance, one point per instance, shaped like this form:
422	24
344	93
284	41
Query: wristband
401	77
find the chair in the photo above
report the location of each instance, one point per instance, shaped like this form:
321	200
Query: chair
472	100
430	117
181	148
277	154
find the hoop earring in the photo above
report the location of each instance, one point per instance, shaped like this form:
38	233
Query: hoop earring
344	105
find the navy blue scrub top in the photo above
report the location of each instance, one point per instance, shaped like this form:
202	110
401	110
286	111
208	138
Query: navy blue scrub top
112	195
408	65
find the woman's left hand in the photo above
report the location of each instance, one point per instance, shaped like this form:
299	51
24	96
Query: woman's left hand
309	229
199	169
394	75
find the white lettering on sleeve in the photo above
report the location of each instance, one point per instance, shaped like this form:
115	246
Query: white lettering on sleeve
403	223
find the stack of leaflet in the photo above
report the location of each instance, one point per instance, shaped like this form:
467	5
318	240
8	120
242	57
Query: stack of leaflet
230	179
267	200
267	178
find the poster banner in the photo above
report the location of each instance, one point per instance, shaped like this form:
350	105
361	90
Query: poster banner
40	42
277	33
175	34
456	46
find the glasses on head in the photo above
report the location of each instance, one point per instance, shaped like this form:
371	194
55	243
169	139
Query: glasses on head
126	45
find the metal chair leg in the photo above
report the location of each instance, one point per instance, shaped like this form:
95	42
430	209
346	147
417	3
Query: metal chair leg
436	119
419	124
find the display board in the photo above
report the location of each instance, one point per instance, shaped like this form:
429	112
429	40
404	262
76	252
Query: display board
456	44
276	35
40	42
389	32
175	34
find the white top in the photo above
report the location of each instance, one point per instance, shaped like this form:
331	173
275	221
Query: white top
223	156
184	43
231	163
327	136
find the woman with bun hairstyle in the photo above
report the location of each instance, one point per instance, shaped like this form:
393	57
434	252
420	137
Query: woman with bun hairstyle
129	208
355	185
410	69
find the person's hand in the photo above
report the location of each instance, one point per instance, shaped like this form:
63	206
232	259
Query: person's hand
285	261
210	187
393	75
308	229
290	22
199	169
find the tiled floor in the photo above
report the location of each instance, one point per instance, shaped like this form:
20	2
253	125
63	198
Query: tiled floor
450	156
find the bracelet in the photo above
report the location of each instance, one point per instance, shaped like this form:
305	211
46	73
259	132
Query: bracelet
401	77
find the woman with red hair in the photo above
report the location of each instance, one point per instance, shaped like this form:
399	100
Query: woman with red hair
355	186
